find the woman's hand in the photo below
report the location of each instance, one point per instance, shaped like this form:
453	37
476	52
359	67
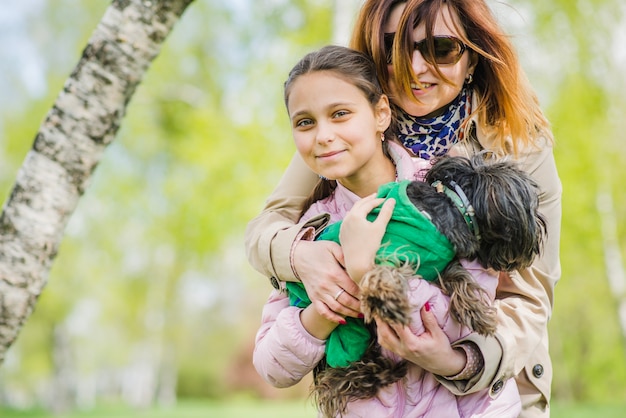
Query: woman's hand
320	267
360	239
430	350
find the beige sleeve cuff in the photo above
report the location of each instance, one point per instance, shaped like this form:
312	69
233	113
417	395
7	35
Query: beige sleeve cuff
491	352
474	363
307	234
282	245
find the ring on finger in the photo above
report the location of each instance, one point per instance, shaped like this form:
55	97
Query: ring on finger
339	294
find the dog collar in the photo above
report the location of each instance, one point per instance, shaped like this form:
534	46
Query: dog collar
462	203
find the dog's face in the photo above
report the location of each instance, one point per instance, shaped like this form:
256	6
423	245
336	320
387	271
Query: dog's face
505	201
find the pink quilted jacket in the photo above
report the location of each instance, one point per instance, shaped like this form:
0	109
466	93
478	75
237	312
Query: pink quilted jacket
285	352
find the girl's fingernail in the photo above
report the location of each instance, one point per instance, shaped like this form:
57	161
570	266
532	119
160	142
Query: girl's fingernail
342	322
427	306
361	316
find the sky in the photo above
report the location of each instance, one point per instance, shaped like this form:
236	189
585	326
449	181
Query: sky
19	58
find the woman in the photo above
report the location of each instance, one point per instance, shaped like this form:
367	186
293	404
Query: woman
456	85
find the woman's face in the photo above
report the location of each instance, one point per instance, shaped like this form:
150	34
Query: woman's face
435	93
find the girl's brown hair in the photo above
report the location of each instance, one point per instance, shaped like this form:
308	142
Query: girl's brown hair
508	109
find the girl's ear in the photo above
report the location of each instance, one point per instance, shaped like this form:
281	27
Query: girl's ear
383	113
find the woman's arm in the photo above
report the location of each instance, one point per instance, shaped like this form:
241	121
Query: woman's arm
273	242
270	236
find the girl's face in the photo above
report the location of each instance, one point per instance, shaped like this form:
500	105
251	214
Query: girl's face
435	93
337	131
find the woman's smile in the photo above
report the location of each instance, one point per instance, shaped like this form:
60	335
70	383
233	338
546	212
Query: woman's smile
424	89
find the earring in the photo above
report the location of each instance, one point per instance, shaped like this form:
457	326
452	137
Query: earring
382	137
469	79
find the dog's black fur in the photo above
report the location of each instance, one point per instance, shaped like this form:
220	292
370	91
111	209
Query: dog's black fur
505	201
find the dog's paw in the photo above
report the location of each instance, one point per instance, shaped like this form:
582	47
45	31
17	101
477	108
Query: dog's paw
384	294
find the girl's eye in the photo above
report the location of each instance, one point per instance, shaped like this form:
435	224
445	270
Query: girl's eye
304	122
340	113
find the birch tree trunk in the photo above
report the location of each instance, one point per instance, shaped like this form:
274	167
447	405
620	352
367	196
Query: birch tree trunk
615	272
344	14
69	145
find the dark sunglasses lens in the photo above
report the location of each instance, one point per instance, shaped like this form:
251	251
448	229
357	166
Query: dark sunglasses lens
388	45
446	50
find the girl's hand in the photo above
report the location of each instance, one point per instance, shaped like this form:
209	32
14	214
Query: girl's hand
320	267
430	350
360	239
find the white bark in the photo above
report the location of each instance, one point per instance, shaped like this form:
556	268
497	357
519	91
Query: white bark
345	12
81	124
65	382
613	256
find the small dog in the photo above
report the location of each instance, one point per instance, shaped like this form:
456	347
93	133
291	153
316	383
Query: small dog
488	210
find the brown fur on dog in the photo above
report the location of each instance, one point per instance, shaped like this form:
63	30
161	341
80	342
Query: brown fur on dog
335	387
384	295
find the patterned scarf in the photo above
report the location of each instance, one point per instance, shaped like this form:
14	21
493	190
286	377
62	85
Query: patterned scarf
433	137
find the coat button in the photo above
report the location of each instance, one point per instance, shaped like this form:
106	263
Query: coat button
274	282
497	387
537	370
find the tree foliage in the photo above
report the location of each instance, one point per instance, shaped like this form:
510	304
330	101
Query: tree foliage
586	89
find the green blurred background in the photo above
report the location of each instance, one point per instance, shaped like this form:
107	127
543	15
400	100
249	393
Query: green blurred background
151	300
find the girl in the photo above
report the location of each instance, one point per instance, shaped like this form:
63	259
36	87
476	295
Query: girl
339	117
456	82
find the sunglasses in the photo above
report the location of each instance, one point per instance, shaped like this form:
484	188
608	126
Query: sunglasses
447	50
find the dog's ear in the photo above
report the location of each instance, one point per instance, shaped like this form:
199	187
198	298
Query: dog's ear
506	202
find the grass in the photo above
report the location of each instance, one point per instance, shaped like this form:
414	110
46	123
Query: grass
237	408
